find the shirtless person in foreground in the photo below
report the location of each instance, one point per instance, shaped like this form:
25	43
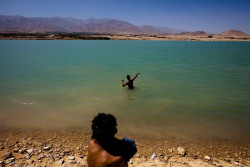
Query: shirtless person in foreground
104	149
130	82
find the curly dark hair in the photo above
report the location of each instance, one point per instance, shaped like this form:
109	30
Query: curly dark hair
104	126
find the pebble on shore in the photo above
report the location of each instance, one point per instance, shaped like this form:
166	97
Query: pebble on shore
153	156
207	158
7	155
181	151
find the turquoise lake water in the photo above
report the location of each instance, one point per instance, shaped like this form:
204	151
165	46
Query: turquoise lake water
185	88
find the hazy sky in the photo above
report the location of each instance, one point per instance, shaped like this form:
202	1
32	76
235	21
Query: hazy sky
214	16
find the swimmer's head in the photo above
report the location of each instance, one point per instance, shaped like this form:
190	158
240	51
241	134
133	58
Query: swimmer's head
128	77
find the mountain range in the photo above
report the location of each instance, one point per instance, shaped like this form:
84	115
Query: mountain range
20	24
67	25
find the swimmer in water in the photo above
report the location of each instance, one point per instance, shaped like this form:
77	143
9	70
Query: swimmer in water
130	82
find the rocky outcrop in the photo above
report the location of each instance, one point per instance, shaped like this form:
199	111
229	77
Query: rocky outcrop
233	33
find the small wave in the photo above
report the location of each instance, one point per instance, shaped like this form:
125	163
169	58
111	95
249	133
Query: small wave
96	99
15	100
28	103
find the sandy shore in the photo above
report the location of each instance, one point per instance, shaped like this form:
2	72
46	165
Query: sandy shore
68	147
180	38
169	37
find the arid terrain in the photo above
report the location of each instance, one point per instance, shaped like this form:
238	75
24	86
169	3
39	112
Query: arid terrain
231	35
69	147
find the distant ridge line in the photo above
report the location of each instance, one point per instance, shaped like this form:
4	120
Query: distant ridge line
21	24
68	25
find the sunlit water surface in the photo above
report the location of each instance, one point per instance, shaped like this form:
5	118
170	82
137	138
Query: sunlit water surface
185	89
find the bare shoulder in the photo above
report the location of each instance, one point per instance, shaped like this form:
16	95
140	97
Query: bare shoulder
94	146
99	157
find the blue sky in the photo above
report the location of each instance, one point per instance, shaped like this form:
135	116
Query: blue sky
214	16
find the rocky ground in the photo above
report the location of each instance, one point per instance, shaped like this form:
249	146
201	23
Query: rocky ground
69	147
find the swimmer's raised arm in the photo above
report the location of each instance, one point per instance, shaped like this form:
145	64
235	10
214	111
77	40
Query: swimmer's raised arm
123	83
135	76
